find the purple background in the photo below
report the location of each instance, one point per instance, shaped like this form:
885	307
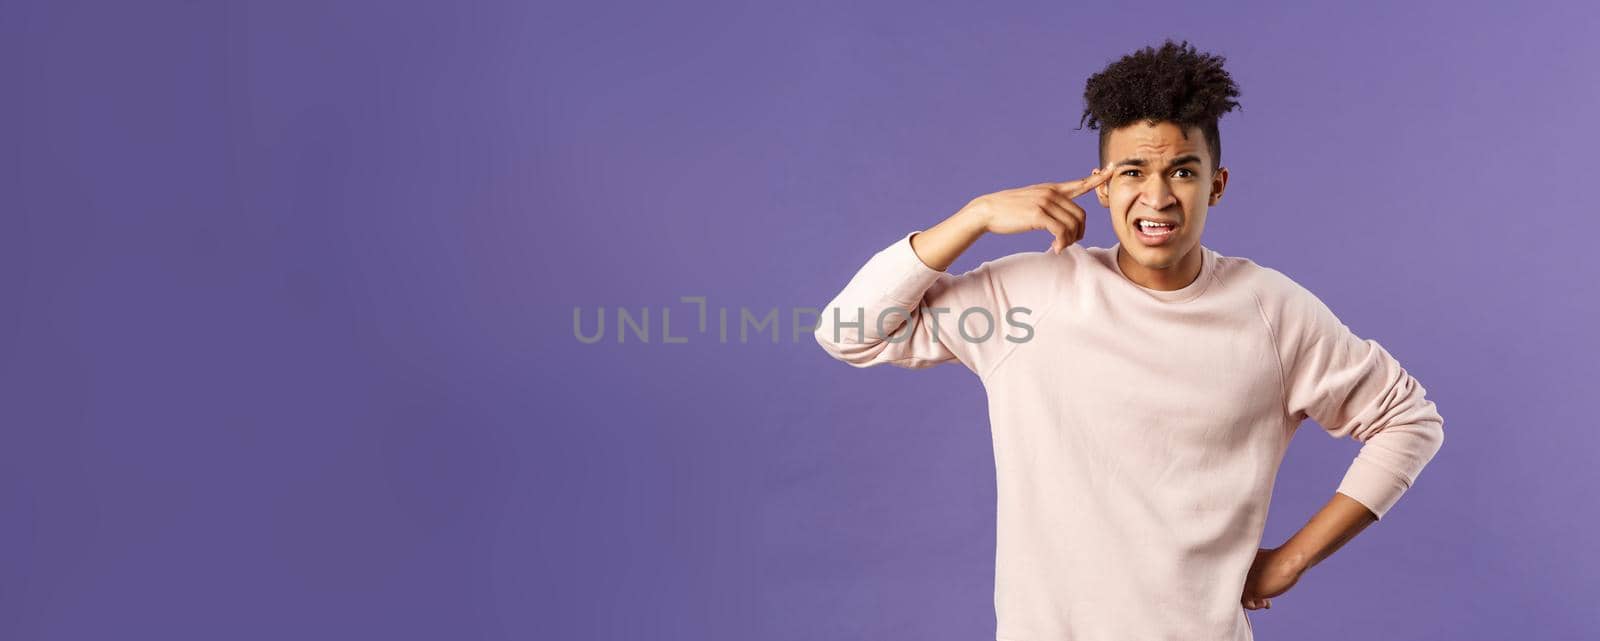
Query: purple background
286	345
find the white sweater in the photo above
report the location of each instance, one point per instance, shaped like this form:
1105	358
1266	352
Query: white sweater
1137	432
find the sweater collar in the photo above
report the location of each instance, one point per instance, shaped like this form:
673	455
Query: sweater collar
1189	292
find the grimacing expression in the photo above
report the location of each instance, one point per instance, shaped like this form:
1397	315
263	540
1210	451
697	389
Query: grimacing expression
1160	174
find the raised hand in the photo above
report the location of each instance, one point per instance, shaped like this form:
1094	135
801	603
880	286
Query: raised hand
1044	206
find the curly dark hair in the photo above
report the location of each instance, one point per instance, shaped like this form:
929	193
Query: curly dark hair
1173	83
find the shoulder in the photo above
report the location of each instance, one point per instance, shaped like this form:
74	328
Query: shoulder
1293	313
1281	299
1267	284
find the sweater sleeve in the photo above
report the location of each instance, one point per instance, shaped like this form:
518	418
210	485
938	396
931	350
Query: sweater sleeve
1354	388
897	310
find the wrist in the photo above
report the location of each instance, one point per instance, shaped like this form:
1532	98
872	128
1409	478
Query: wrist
973	219
1291	560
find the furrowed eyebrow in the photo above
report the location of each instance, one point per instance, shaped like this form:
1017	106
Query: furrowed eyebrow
1180	160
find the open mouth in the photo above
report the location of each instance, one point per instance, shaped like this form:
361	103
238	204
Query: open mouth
1153	232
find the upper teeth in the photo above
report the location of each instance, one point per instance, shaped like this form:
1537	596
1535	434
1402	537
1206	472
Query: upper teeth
1146	223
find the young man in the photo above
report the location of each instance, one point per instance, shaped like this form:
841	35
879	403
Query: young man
1141	397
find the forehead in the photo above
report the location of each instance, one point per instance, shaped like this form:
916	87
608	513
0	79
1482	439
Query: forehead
1161	140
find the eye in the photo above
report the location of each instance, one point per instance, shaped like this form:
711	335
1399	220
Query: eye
1130	171
1191	173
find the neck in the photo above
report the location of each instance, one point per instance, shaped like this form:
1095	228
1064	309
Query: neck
1177	276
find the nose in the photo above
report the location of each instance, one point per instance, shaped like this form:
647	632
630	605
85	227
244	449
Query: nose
1156	194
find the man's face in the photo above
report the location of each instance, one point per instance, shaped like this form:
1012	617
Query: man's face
1160	176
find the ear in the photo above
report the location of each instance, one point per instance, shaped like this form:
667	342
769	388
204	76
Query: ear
1103	193
1219	182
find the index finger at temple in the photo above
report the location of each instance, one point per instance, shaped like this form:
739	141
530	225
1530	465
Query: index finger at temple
1076	188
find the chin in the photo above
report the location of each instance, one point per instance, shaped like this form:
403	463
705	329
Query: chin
1161	257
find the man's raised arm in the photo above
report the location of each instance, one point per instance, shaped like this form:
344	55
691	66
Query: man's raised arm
905	284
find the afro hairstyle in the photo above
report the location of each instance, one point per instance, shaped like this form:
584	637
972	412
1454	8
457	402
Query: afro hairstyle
1173	83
